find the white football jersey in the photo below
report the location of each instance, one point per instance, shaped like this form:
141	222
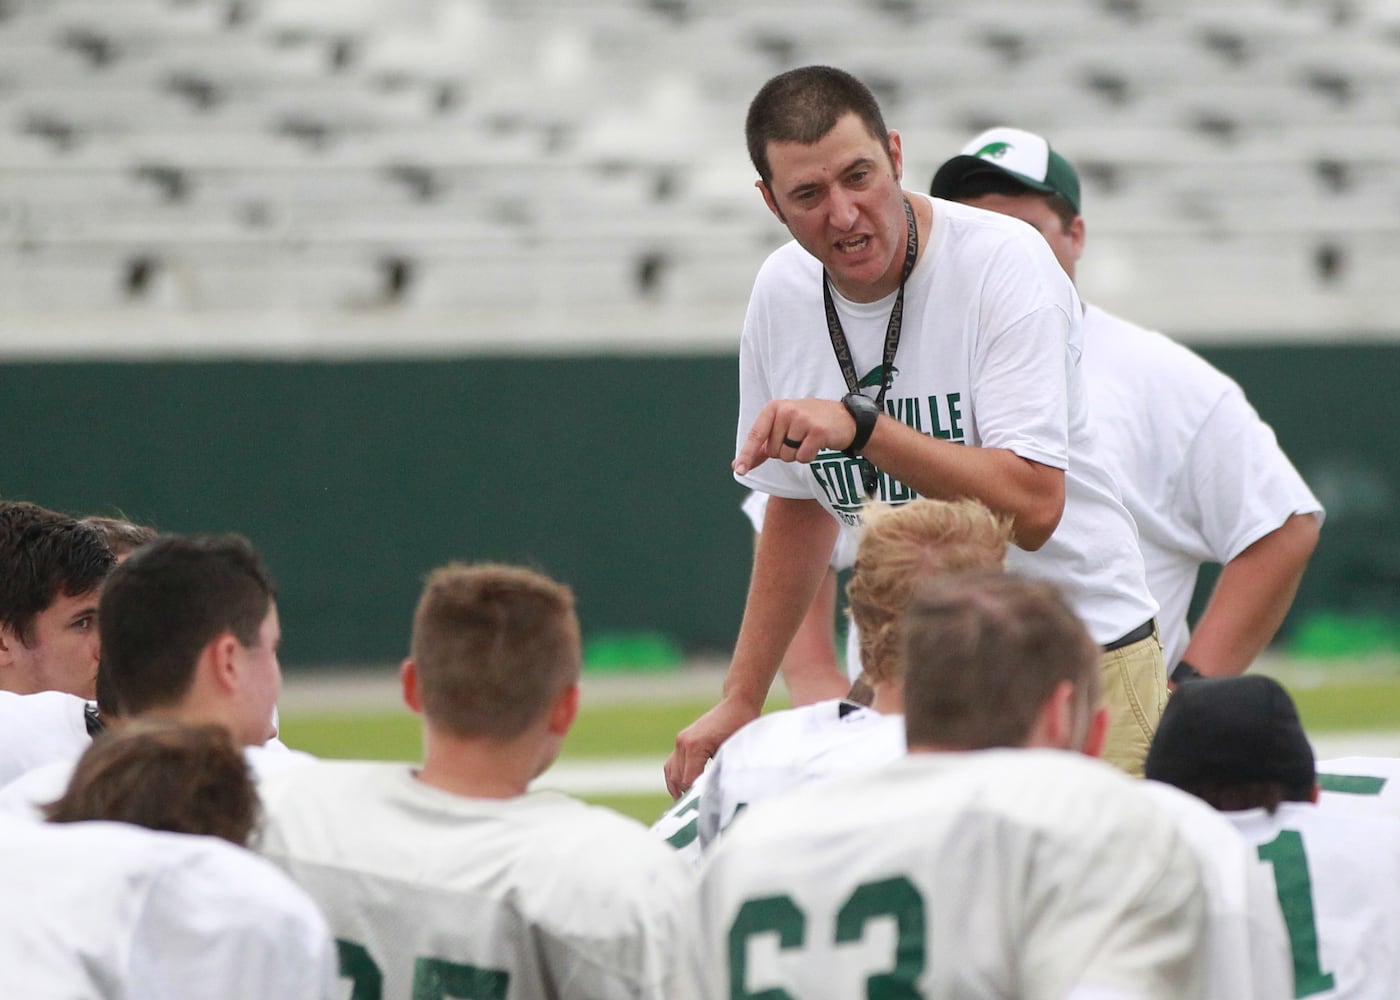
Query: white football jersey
539	896
1335	878
110	911
1034	874
1365	785
782	751
38	729
1247	943
26	796
679	826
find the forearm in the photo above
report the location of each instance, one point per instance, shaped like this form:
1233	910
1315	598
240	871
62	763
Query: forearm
1031	494
790	563
810	667
1251	598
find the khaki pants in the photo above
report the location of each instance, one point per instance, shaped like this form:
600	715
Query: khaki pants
1135	693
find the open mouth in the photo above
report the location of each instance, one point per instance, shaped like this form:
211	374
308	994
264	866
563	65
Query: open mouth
853	245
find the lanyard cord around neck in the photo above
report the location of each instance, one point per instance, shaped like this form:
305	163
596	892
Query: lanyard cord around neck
838	335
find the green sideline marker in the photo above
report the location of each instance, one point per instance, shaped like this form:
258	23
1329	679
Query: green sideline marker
631	652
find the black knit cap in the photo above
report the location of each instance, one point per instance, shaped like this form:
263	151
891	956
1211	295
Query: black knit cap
1232	730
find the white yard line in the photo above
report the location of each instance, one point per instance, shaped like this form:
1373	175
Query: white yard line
638	776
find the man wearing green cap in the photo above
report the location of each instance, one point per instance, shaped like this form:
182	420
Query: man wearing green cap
1200	472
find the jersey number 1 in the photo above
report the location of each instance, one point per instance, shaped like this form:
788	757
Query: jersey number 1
1294	886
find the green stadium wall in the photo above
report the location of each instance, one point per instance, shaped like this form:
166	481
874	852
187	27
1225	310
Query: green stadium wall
355	478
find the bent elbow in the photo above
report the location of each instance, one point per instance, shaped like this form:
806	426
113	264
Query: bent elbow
1035	526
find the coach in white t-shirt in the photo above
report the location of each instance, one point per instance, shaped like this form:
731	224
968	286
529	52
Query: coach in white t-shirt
1201	473
900	346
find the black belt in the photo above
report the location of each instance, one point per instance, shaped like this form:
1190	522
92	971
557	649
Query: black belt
1138	634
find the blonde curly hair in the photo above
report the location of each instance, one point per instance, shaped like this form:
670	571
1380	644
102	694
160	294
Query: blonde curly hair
903	546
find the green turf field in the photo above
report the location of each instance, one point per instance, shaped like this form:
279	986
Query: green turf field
608	732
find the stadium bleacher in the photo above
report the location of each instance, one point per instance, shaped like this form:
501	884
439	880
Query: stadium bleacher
582	163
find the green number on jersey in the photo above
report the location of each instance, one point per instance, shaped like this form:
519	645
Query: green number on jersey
1294	886
760	916
357	965
893	897
433	978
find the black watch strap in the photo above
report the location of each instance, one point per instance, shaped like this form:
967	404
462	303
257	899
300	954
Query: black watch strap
1185	672
866	413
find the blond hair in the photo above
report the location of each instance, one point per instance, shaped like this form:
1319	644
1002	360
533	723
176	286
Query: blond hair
494	646
904	545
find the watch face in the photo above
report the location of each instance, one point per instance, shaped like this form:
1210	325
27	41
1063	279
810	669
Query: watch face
860	401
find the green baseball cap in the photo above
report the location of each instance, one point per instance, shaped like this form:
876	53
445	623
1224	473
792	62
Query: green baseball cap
1024	156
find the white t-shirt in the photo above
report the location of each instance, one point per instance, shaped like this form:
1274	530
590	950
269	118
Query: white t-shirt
1247	944
37	729
26	796
1335	877
997	873
543	893
989	357
110	911
1369	786
843	553
1200	472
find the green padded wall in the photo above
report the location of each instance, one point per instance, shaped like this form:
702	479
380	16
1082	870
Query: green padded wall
357	477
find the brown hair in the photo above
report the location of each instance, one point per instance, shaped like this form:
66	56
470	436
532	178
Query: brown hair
978	183
168	601
494	647
1233	796
984	651
163	776
900	547
122	537
804	104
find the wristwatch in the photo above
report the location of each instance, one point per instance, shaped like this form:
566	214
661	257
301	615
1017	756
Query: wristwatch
1185	672
866	413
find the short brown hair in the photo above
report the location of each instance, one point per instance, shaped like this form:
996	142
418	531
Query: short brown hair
494	646
804	104
900	547
983	653
167	602
980	183
122	537
1233	796
163	776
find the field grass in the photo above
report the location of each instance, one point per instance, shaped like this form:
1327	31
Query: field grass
605	731
649	730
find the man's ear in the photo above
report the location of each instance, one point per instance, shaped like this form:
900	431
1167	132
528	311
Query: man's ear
896	145
220	660
1098	733
564	711
408	680
1076	233
9	639
769	200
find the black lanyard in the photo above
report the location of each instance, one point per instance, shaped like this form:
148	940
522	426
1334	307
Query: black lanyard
869	476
